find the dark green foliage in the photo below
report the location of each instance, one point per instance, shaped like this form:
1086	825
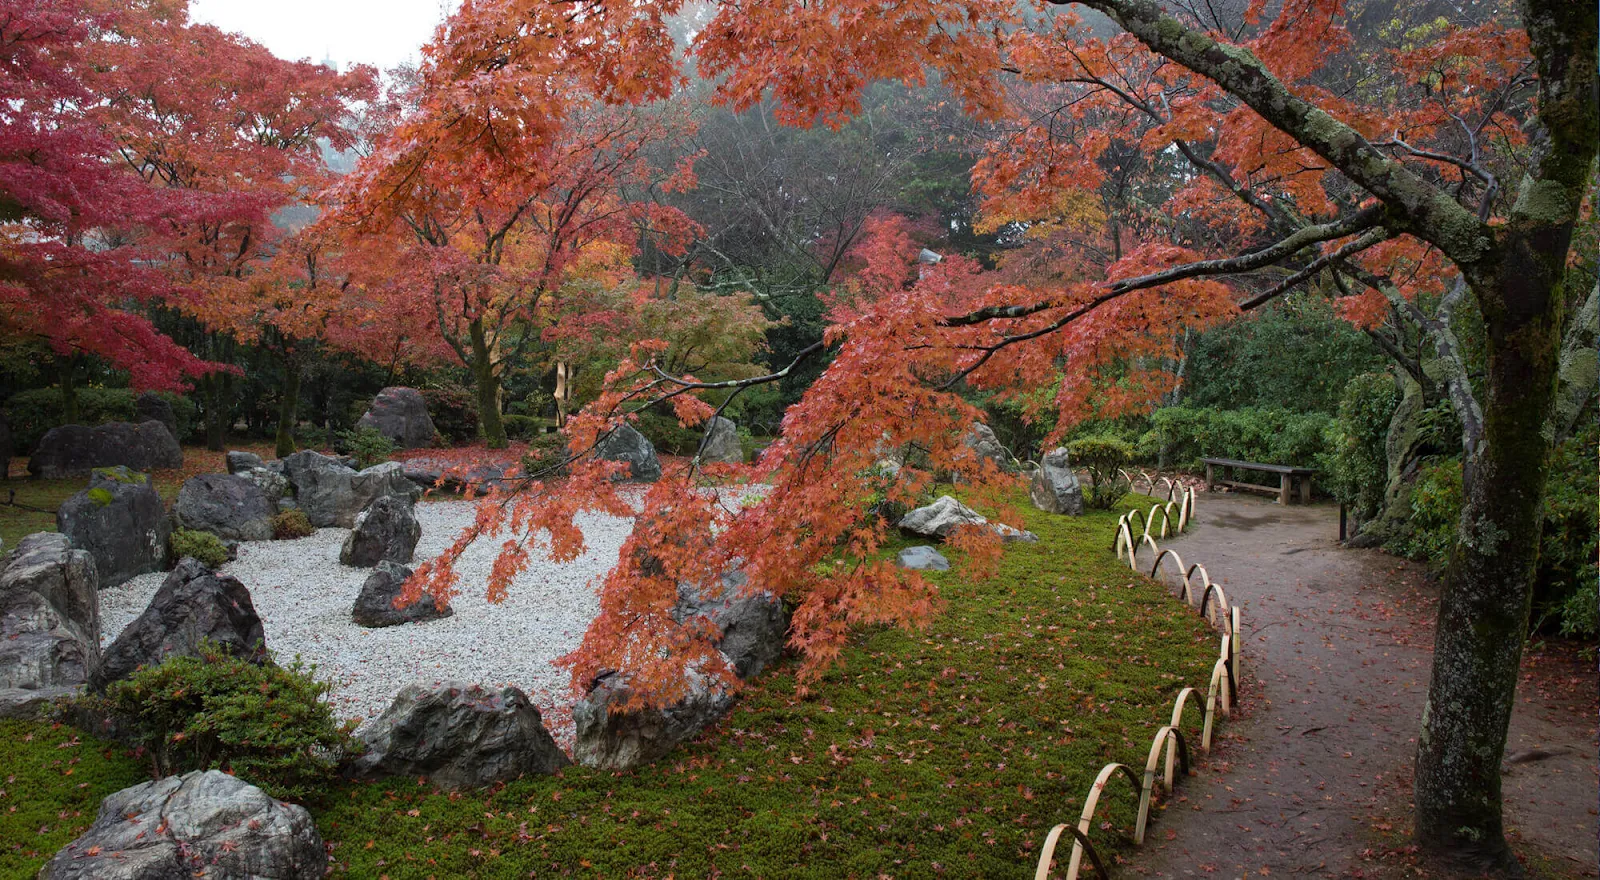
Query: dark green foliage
291	523
454	411
1103	456
1357	463
538	403
1268	436
369	445
523	427
53	782
1435	514
31	413
944	752
546	455
1009	418
203	546
266	724
664	432
1295	354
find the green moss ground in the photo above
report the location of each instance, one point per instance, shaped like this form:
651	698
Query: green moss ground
942	753
54	781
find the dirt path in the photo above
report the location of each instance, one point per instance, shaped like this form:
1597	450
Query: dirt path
1336	651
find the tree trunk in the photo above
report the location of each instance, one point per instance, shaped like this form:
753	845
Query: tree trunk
1488	590
216	387
69	391
288	406
490	426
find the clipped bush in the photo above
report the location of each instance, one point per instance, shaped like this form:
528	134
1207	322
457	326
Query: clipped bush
266	724
1184	435
454	411
546	455
1564	584
33	412
368	445
1357	470
202	546
1103	456
522	427
292	523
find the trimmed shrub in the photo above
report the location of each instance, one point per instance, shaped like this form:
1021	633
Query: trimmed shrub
454	411
369	445
266	724
1268	436
1103	456
1357	471
523	427
203	546
292	523
546	453
33	412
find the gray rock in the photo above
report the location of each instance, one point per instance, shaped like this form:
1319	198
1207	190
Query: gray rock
722	442
120	521
941	518
39	646
30	704
1054	487
152	407
751	625
459	736
615	740
375	605
986	446
226	505
626	444
75	450
193	605
400	414
284	504
239	461
332	494
274	485
46	563
201	824
386	530
922	558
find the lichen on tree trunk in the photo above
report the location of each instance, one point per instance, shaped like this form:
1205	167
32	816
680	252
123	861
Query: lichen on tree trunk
490	425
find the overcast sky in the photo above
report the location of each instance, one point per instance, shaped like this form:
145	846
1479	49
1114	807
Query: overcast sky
378	32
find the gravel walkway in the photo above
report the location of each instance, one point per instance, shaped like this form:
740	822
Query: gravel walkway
304	596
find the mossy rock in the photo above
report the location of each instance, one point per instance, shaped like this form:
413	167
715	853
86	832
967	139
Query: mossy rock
122	474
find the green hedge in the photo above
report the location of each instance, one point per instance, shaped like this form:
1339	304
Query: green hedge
1181	436
33	412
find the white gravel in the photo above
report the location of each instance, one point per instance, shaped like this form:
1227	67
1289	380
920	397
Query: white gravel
304	594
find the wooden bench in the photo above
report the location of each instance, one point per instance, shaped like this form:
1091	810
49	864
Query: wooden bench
1287	477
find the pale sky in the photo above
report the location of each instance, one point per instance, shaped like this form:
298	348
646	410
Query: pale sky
382	33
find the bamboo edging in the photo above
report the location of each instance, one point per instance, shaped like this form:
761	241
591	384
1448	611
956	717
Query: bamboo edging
1221	693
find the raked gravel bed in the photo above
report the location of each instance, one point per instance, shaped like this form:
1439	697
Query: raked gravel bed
304	594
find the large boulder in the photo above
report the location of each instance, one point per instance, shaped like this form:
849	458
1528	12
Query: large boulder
626	444
610	739
375	605
459	736
226	505
120	521
40	649
75	450
941	518
987	447
272	484
201	824
386	531
722	442
400	414
751	624
193	605
240	461
1054	487
46	563
332	493
152	407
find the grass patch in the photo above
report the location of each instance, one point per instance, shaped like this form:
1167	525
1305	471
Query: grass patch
947	752
55	778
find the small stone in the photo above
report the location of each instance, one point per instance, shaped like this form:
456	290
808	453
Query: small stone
1054	487
386	531
722	442
922	558
615	740
459	736
375	605
627	445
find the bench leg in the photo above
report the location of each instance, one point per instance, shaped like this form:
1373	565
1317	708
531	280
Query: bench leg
1305	489
1210	478
1283	489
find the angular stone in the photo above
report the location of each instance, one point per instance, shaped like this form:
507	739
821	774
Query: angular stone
201	824
28	704
332	494
401	414
386	531
752	626
120	521
612	740
1054	487
152	407
239	461
922	558
226	505
626	444
375	605
986	446
75	450
722	442
460	736
39	646
46	563
941	518
273	484
193	605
